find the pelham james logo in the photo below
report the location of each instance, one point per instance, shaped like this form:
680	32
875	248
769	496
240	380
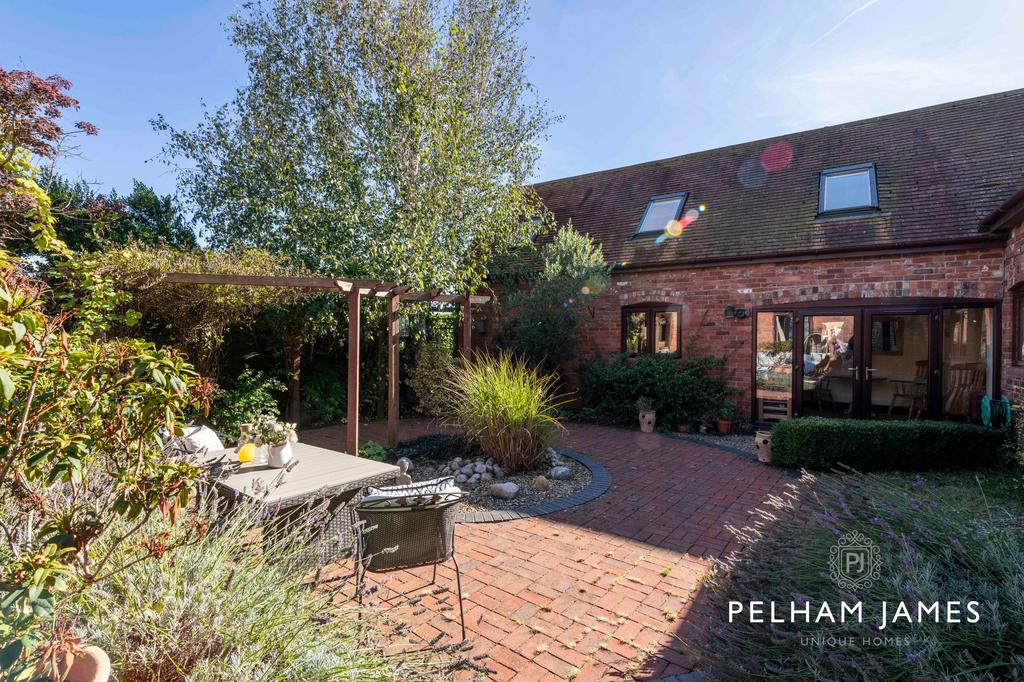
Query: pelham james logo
854	562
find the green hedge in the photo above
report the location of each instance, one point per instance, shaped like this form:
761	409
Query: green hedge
821	443
681	391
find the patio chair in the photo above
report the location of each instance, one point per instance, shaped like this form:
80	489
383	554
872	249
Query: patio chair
965	387
408	526
916	391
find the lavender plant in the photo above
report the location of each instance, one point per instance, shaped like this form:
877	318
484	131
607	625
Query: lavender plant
938	541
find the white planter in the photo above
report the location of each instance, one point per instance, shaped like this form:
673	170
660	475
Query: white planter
280	455
647	418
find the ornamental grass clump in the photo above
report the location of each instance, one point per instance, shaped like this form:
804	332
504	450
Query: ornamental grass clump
507	406
945	539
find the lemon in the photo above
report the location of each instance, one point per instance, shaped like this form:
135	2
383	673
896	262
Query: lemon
246	452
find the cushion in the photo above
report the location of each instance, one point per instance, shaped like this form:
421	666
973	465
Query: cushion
201	439
436	491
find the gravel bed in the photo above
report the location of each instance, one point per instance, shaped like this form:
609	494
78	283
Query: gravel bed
478	497
741	441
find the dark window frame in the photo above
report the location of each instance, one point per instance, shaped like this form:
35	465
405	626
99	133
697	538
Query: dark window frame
1017	357
650	309
846	170
682	196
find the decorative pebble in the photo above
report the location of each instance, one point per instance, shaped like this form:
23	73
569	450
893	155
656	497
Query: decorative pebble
480	468
504	491
541	484
486	477
560	473
468	469
461	478
475	478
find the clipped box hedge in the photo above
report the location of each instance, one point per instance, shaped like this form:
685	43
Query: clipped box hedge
822	443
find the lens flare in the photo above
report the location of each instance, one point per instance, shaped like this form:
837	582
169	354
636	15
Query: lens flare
702	208
674	229
776	156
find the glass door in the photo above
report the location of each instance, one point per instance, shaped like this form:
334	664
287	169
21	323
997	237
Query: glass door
898	371
831	369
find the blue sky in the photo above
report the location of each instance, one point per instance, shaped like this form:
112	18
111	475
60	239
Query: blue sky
634	81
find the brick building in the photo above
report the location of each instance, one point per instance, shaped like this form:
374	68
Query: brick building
865	269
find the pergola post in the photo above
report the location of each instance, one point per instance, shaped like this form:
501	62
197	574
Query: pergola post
352	428
393	341
467	327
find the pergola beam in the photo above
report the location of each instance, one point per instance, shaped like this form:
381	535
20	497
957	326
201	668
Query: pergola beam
354	289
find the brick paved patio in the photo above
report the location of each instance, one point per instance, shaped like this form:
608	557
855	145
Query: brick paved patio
599	591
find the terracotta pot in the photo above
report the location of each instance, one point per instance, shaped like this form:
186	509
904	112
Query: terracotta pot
683	428
724	426
763	443
90	665
647	418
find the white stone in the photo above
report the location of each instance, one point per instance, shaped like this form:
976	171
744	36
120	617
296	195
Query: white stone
468	469
461	478
475	478
504	491
480	468
560	473
486	477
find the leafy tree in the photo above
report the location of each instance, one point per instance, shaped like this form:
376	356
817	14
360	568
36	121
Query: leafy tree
88	220
30	112
378	138
542	320
149	218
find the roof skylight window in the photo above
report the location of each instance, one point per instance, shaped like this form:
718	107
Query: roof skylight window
661	210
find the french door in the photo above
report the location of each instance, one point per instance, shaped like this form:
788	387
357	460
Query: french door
878	362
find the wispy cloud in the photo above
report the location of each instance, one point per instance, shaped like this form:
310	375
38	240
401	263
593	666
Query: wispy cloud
845	19
871	85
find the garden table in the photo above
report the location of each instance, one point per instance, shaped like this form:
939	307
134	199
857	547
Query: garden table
314	475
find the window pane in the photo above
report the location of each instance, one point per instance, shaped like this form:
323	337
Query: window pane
659	214
847	190
966	361
636	332
666	332
774	362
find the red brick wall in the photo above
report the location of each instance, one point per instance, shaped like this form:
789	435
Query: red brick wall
704	294
1013	274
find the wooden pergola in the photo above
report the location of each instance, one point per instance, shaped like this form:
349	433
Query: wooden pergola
355	290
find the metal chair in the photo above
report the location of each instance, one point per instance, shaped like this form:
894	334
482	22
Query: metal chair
401	537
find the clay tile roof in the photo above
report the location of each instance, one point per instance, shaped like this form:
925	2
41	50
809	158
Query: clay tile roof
941	170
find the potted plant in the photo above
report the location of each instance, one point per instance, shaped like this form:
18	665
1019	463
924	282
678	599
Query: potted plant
763	444
647	414
727	414
277	436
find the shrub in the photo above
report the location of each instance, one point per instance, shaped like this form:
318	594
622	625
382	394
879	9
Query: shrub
429	378
375	451
822	443
324	397
439	447
543	320
681	391
229	608
936	544
252	396
507	406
